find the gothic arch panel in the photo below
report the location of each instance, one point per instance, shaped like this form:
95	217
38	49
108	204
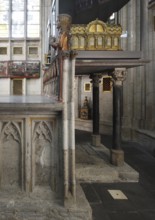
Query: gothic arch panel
42	150
10	150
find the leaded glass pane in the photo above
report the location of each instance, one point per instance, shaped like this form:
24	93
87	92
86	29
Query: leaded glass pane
17	5
33	5
33	31
18	21
4	17
4	30
17	31
18	17
33	17
4	5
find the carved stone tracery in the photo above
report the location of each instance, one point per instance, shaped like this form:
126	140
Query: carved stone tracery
42	131
42	148
11	131
11	155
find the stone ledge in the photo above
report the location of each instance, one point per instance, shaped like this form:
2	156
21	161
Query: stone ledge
28	104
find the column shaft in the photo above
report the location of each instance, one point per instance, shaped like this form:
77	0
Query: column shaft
96	114
96	110
117	155
117	106
69	128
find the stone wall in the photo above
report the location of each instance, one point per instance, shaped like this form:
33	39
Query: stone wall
139	87
105	105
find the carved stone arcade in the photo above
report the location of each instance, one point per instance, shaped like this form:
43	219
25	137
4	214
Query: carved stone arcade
11	155
27	164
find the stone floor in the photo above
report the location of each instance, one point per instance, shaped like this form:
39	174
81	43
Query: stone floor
92	165
123	200
42	206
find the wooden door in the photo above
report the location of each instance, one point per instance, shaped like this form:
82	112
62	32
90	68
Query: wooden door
17	87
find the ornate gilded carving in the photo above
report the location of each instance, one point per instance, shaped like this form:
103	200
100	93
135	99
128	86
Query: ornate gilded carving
97	35
78	39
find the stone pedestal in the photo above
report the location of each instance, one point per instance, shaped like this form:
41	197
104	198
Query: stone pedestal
96	140
117	157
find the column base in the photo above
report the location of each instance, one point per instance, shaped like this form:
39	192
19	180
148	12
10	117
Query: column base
96	140
117	157
70	201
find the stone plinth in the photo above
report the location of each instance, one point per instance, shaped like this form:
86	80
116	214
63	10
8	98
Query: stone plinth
117	157
96	140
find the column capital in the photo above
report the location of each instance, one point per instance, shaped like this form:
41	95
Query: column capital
95	79
65	54
118	76
73	54
68	54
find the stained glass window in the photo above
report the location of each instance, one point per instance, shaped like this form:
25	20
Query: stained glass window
33	5
33	18
17	31
4	5
17	5
14	17
18	17
4	18
33	30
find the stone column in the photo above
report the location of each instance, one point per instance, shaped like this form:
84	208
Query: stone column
117	154
65	81
69	128
96	139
